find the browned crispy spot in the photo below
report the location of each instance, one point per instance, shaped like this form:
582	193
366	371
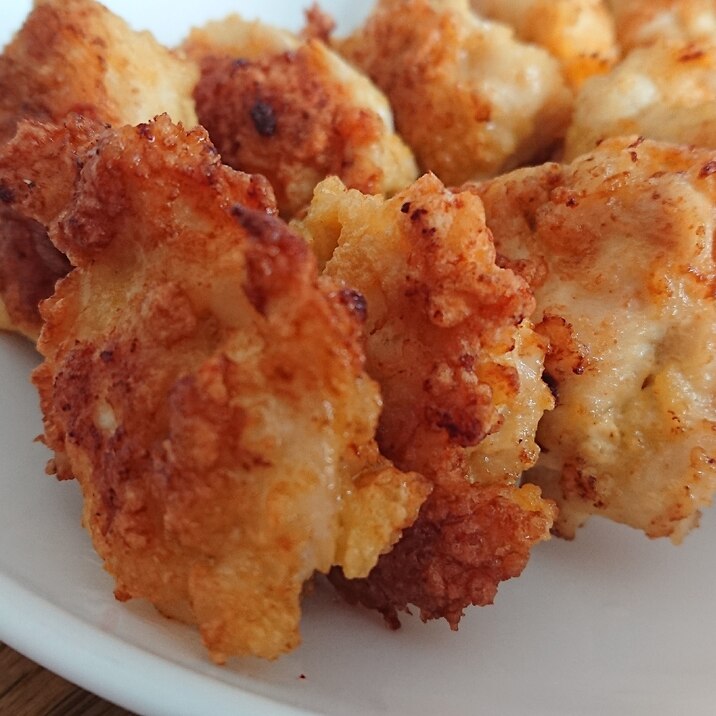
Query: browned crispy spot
565	355
580	484
465	542
29	264
272	254
355	302
29	267
286	118
435	342
691	53
707	169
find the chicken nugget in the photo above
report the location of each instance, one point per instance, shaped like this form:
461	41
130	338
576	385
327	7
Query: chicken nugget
75	56
579	33
618	247
666	92
447	338
207	390
295	112
469	99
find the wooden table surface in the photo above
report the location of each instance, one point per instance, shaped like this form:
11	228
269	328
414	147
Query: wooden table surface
27	689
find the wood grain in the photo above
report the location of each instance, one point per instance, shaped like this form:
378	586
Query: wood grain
27	689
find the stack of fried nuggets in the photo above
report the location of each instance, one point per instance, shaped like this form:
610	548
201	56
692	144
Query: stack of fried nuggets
380	390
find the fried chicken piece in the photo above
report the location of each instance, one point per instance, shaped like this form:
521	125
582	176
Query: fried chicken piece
618	248
665	92
74	56
579	33
644	22
470	99
459	368
207	391
295	112
77	56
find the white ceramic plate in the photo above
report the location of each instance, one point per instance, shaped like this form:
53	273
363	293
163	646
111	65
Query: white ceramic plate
611	623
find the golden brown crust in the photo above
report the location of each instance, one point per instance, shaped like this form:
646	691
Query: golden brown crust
29	269
444	331
29	197
40	166
208	393
469	99
623	238
280	119
465	542
74	56
77	56
294	115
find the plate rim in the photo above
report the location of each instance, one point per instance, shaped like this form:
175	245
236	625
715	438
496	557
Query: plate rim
62	643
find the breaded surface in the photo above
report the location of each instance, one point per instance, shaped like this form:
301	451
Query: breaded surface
618	247
644	22
666	92
469	99
459	369
294	112
208	392
29	264
29	267
75	56
579	33
41	164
